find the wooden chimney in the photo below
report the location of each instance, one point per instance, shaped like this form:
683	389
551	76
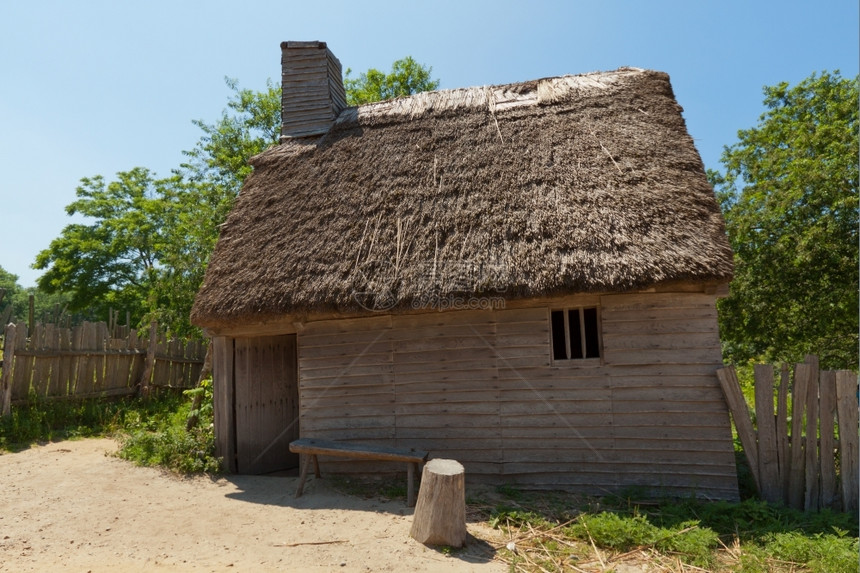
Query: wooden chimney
312	89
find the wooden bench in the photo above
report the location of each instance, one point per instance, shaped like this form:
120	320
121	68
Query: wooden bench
310	448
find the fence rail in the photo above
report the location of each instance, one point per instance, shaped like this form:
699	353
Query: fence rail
815	465
92	360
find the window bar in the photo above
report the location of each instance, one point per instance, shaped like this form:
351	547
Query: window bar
582	331
567	334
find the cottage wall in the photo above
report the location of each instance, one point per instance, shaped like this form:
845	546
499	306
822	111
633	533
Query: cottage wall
481	387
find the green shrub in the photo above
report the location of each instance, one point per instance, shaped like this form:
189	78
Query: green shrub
163	440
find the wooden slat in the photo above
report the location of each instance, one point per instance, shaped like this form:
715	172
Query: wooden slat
768	458
691	420
710	355
662	341
66	368
610	318
784	448
691	393
22	365
802	374
685	324
660	407
827	411
810	499
347	426
846	407
9	341
650	301
740	414
340	350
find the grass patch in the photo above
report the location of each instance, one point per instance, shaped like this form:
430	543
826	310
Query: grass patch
559	532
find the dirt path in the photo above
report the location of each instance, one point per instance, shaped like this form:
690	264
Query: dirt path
71	506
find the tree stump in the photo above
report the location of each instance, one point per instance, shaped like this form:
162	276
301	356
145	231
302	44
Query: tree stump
440	513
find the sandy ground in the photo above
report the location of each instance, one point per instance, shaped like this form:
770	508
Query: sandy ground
71	506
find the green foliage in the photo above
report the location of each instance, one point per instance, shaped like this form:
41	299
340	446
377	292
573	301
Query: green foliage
11	293
163	440
45	305
41	421
113	260
623	533
406	77
250	124
152	432
790	198
830	553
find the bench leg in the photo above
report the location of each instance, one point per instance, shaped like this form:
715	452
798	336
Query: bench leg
306	464
410	483
316	467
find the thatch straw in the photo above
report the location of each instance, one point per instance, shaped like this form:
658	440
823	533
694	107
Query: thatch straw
573	184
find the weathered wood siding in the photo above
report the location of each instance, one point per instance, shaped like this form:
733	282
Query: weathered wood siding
266	403
312	88
480	387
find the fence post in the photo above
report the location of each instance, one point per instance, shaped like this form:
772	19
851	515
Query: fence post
9	344
802	373
150	360
782	432
810	499
846	410
31	314
768	459
741	415
826	407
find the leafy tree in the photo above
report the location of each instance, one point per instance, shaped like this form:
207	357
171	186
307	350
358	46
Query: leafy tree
11	293
406	77
790	199
250	124
193	210
113	261
45	306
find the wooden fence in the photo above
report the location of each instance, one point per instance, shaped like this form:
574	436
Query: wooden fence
92	360
814	466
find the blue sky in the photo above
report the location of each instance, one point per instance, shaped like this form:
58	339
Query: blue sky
97	87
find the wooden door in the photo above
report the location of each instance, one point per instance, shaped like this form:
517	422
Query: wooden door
266	403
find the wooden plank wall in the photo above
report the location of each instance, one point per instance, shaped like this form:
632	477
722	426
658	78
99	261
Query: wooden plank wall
670	420
480	387
346	382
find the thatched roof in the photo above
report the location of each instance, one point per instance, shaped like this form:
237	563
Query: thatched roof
573	184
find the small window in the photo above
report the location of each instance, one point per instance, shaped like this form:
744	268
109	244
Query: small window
575	334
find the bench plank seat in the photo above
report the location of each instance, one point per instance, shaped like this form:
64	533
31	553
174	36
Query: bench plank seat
310	448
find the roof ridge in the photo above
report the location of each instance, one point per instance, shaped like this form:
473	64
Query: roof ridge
493	97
